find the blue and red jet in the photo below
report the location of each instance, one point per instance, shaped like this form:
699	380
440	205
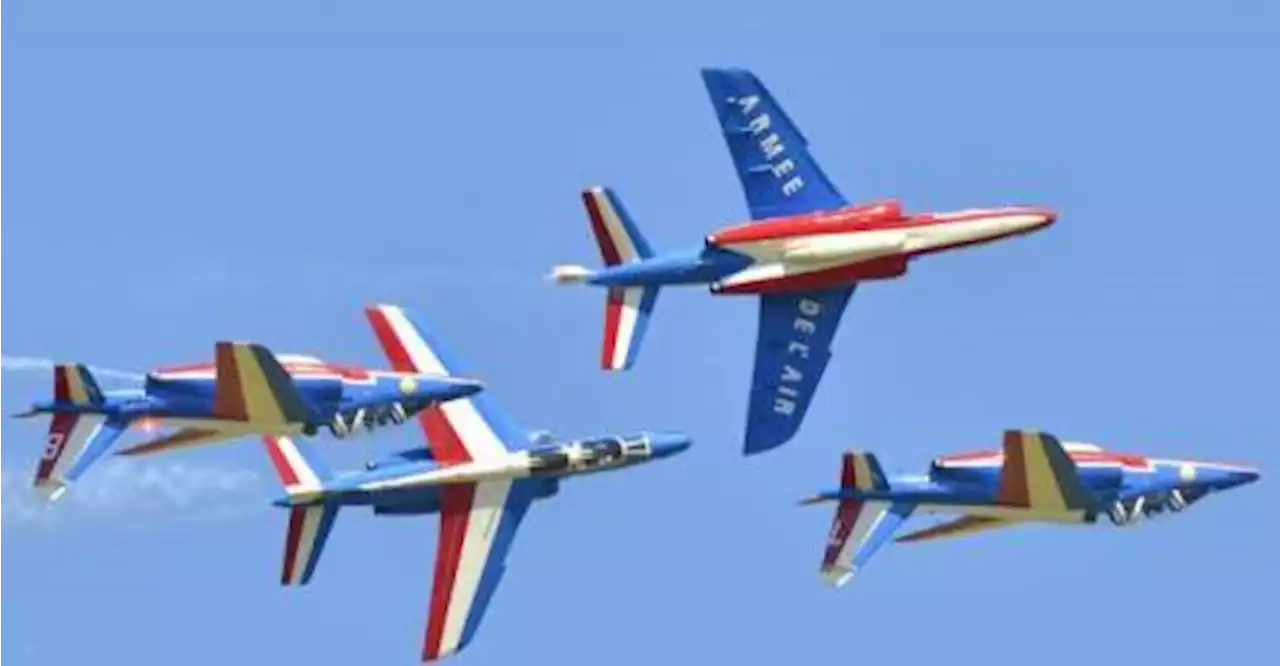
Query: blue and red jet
804	253
1033	478
246	391
480	474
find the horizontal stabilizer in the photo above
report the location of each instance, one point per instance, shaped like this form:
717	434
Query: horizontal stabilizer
859	528
74	443
309	528
626	318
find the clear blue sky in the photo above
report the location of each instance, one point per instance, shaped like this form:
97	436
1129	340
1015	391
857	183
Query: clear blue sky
181	172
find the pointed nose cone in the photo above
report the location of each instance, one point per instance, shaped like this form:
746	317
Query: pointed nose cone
1226	477
443	389
1243	477
1041	217
666	444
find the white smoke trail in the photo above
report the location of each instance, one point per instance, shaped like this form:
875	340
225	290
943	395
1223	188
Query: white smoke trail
20	363
128	490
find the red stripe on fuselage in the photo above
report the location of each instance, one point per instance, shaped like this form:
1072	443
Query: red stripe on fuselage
455	513
860	218
294	370
608	251
882	268
996	458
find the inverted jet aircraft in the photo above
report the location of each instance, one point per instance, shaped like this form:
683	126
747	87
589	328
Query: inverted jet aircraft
245	391
1034	478
804	254
480	474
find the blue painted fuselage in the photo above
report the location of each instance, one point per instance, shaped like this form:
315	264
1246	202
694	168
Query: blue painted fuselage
692	266
366	398
1123	481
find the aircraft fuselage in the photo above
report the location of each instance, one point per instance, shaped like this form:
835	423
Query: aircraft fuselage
341	398
405	485
1124	487
823	249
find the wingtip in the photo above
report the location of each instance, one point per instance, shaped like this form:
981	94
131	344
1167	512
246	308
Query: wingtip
51	490
837	576
132	451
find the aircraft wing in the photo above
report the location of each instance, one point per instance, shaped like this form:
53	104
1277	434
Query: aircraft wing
74	443
792	350
252	386
463	430
779	176
478	522
183	438
1038	474
961	526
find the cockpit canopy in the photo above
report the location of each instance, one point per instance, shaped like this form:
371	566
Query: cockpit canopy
631	448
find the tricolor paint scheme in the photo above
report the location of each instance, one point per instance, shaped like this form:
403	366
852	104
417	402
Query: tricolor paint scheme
480	474
804	253
1034	478
246	391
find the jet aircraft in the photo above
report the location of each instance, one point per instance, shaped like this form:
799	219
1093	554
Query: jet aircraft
480	474
804	253
246	391
1034	478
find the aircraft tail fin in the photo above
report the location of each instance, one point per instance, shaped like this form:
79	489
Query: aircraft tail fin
311	516
252	386
76	438
616	233
860	526
627	309
74	384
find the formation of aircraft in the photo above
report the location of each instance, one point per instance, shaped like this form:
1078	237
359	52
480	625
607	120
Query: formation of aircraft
1033	478
246	391
804	253
480	474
